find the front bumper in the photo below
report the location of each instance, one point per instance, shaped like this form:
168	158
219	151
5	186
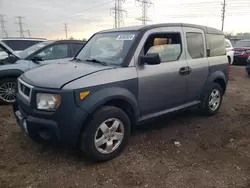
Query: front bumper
240	60
62	127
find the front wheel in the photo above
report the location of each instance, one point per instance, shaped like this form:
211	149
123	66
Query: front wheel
212	101
8	90
106	135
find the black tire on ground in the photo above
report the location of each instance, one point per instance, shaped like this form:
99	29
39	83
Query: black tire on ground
87	139
2	82
229	60
204	107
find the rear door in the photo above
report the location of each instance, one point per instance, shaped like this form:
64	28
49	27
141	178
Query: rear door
197	60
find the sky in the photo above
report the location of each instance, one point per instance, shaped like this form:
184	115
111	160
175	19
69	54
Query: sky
46	18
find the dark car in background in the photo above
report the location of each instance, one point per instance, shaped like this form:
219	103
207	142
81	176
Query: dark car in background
241	52
43	53
248	66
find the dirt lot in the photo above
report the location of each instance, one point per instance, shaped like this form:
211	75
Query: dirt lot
214	152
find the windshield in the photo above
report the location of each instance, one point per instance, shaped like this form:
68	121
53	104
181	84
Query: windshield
110	48
33	49
242	44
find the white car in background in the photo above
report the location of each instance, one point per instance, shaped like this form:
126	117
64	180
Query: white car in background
230	51
18	44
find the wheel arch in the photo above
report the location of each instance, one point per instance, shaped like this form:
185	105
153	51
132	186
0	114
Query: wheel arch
216	77
13	73
119	97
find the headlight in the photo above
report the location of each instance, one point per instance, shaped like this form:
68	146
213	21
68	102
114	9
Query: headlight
49	102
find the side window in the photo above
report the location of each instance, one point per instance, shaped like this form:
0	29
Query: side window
76	48
216	44
195	45
167	45
57	51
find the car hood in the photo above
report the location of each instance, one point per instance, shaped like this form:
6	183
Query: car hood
57	75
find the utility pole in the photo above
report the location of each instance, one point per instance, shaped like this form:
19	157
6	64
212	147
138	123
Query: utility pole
118	13
4	33
66	30
28	31
20	23
223	14
145	4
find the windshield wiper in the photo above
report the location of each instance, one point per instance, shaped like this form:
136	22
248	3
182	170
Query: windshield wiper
76	59
97	61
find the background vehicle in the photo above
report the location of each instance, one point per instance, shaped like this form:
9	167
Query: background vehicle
95	102
241	52
248	66
40	54
230	51
18	44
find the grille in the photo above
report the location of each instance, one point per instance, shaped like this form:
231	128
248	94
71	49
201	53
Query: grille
24	89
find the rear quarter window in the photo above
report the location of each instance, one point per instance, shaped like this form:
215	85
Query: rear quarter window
216	45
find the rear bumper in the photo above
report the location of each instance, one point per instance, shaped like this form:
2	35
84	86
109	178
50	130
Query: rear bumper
62	127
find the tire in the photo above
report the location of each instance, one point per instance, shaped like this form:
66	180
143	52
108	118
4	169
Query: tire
8	87
206	107
229	60
93	132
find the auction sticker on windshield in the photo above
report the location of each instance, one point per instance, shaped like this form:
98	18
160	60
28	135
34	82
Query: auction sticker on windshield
125	37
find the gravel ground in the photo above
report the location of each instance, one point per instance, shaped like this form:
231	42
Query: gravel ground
214	152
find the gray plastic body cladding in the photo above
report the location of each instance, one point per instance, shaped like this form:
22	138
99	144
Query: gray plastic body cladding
217	70
126	90
219	64
68	118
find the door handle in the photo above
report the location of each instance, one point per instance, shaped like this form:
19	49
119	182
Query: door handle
185	70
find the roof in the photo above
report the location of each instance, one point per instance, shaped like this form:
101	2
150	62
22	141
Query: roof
206	29
247	40
20	38
70	41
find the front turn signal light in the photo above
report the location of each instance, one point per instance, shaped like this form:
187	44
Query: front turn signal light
84	94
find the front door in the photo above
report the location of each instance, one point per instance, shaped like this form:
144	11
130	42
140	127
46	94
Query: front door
162	86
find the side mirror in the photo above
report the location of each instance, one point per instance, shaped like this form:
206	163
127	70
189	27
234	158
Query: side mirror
150	59
36	59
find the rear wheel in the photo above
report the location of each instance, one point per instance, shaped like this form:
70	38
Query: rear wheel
8	90
212	100
229	60
106	135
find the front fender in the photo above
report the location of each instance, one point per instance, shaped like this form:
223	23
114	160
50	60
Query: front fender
102	96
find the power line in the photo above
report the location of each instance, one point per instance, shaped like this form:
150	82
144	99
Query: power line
223	14
66	30
29	33
4	33
145	4
20	23
118	12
